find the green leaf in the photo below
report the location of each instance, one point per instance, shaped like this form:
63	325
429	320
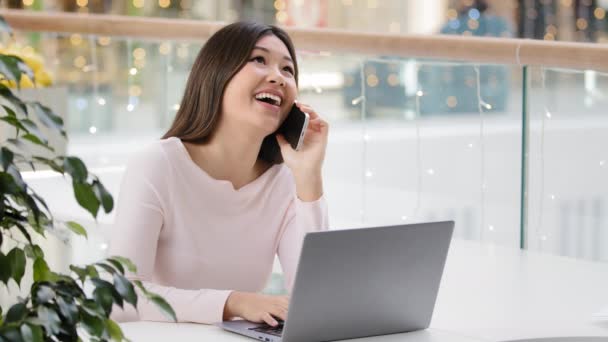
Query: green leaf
14	172
48	118
15	103
10	333
13	121
68	309
12	67
92	272
36	140
91	308
117	265
80	272
16	259
42	271
8	185
23	231
9	111
103	297
76	228
103	196
125	288
114	330
86	197
49	319
6	157
50	163
93	325
106	267
42	293
164	307
5	269
76	168
34	251
125	262
100	283
16	313
31	333
141	286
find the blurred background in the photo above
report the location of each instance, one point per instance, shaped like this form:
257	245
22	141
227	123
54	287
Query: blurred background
412	139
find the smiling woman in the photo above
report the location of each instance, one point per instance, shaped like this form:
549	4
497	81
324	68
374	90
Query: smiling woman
204	211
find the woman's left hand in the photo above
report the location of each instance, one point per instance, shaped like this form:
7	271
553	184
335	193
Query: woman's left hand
306	163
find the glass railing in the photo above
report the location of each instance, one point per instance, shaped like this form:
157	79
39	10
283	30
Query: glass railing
514	154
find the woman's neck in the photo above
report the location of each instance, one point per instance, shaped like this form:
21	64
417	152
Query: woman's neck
231	157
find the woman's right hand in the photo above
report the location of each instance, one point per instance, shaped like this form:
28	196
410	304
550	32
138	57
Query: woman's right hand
256	307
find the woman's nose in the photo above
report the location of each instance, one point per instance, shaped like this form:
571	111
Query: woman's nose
276	78
281	82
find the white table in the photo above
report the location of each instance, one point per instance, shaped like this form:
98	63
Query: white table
488	293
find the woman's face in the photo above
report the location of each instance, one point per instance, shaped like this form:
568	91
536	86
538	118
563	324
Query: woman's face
261	94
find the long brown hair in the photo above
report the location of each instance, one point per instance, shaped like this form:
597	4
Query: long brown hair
222	56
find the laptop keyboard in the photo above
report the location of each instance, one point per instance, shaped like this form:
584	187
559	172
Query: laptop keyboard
270	330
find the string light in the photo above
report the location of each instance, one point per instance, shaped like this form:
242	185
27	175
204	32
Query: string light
92	129
581	24
80	61
76	39
372	80
279	5
164	3
28	2
430	172
139	53
138	3
133	71
281	16
164	48
101	101
104	41
82	3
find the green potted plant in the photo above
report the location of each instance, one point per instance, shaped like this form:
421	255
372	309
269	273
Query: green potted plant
57	306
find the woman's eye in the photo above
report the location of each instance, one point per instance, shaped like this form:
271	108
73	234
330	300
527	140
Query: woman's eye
288	69
258	59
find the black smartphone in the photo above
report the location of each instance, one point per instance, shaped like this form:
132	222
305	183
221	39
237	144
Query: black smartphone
294	127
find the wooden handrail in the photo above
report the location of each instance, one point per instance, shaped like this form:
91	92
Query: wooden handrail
436	47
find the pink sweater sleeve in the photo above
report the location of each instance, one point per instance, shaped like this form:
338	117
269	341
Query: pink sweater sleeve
135	235
302	217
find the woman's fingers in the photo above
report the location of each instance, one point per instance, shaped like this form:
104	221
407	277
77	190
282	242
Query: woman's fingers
268	319
308	109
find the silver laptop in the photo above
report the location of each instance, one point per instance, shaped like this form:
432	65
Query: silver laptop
361	282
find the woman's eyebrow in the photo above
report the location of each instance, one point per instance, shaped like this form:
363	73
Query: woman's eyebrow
266	50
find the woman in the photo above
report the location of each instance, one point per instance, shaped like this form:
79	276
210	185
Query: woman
204	211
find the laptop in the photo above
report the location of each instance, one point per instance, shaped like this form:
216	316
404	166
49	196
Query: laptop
361	282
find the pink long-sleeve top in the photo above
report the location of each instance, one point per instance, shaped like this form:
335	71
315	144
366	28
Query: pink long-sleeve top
194	239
